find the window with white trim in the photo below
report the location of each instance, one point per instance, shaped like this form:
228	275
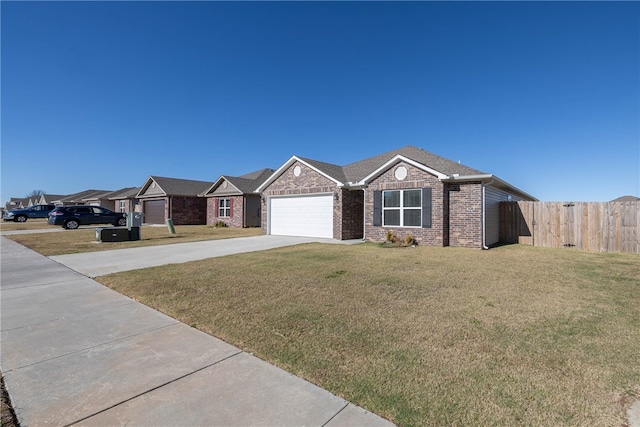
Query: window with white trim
122	205
224	208
402	208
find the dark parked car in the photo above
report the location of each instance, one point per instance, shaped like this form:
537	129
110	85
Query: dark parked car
71	217
21	215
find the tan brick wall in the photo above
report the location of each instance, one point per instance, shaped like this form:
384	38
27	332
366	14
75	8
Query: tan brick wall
456	209
308	182
351	220
235	220
188	210
416	178
465	214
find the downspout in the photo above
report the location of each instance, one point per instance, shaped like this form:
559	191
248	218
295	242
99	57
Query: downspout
484	223
244	211
364	214
484	216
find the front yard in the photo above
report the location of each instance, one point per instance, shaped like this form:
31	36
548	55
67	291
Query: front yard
84	239
426	336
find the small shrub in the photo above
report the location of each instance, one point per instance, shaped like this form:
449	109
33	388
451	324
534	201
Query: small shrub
391	238
220	224
410	240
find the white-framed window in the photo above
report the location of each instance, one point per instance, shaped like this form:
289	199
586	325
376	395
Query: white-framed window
402	208
224	208
122	205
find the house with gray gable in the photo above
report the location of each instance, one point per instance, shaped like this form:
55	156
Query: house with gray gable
233	200
162	198
81	198
124	200
407	191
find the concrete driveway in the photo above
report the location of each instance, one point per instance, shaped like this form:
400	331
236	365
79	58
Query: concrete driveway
94	264
76	352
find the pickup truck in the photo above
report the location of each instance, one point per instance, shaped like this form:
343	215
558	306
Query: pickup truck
21	215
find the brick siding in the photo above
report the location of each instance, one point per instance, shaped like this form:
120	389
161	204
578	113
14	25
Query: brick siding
349	222
416	178
465	214
237	215
309	182
456	209
188	210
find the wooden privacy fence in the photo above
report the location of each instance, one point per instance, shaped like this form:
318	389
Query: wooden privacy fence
602	227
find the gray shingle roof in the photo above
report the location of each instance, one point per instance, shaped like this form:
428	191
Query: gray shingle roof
627	199
124	193
259	175
82	195
334	171
249	182
359	170
181	187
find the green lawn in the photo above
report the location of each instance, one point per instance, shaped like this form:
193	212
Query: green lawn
515	335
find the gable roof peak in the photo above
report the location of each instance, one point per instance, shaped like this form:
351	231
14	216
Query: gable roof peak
357	171
175	186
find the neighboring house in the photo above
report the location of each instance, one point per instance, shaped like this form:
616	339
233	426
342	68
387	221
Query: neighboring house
125	200
99	199
407	191
233	201
178	199
47	199
17	203
112	199
81	198
627	199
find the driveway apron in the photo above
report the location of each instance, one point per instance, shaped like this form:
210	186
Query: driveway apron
76	352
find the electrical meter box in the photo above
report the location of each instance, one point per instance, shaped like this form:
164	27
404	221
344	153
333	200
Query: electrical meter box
112	234
134	219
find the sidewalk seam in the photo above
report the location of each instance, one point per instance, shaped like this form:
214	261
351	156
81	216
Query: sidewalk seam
94	346
68	316
336	414
154	388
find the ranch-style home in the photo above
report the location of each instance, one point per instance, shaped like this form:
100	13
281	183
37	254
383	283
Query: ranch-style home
232	199
174	198
407	191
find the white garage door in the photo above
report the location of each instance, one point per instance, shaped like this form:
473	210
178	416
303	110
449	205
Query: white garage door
310	216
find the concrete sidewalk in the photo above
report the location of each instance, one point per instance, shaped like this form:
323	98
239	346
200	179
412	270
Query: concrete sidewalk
94	264
76	352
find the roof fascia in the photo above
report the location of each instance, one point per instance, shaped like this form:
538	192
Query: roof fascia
288	164
214	187
145	187
396	159
490	179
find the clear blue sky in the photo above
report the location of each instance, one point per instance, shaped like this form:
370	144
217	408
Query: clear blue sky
101	95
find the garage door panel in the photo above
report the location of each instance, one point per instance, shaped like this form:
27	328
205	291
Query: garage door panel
310	216
154	211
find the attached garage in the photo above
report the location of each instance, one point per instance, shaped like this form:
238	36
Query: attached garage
154	211
308	215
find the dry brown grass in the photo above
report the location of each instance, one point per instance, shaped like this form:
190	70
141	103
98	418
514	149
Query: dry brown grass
84	239
426	336
7	414
31	224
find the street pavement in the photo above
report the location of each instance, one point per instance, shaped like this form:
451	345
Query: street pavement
77	353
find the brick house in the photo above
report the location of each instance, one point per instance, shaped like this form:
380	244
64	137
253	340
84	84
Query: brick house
162	198
124	200
86	197
233	200
407	191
